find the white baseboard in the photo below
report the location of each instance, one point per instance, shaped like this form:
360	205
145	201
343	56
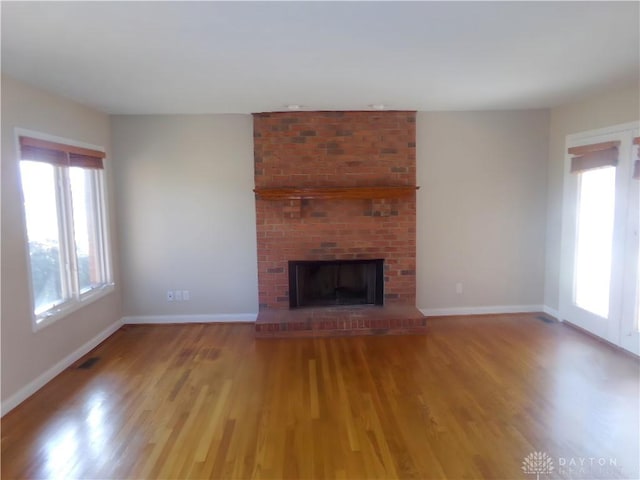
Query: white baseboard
552	312
214	318
32	387
493	309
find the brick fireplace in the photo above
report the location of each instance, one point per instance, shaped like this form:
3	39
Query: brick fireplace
335	186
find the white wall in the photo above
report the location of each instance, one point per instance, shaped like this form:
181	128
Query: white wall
481	210
186	214
26	355
611	108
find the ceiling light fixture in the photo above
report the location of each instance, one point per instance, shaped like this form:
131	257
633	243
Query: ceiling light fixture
377	106
294	107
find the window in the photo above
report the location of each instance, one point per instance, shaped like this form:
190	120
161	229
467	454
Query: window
63	191
595	215
595	164
600	266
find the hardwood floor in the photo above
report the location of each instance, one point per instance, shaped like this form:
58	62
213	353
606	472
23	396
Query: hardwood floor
470	399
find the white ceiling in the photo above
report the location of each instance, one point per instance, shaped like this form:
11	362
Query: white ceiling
241	57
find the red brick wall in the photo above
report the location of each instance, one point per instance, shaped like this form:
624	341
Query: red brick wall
322	149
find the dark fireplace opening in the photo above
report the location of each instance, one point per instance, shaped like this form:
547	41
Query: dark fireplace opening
336	282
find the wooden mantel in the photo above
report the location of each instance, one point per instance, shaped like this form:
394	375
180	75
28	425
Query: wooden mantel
326	193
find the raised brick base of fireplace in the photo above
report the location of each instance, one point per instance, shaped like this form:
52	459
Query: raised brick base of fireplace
341	321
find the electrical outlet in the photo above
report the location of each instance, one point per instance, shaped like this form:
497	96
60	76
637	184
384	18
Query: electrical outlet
459	288
169	295
186	296
178	295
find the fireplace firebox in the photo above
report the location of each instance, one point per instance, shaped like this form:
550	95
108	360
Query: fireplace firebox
336	282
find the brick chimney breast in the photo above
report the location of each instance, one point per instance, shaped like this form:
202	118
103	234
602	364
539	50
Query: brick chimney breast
335	149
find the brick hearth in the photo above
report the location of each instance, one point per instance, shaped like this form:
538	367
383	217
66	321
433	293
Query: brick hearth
339	321
351	150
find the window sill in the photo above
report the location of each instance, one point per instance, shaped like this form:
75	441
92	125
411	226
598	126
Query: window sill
60	311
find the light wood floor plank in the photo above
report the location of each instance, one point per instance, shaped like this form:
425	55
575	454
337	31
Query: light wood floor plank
470	399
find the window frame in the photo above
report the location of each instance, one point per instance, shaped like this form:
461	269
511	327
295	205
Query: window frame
70	283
